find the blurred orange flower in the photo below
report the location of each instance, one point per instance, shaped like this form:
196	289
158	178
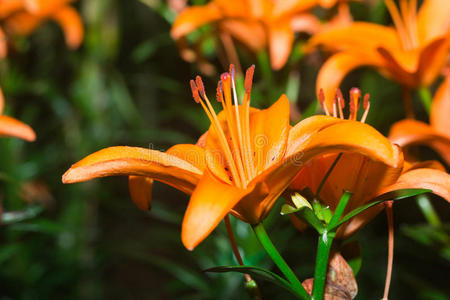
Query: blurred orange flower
255	23
22	17
365	177
436	135
241	166
412	53
12	127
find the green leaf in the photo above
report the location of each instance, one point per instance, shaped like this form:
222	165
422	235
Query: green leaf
18	216
257	273
395	195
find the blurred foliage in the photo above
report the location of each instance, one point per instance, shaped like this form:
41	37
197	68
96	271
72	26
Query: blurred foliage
127	85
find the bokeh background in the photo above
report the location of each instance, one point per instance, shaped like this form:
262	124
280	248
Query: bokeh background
127	85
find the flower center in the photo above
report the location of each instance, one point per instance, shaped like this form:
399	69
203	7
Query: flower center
235	143
405	21
339	104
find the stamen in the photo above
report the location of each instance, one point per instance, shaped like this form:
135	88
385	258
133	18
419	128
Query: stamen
398	23
366	106
248	90
209	110
390	219
321	97
219	92
194	91
355	94
335	107
340	102
413	23
249	80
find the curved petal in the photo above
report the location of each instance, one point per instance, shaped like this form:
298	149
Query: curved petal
209	203
70	21
193	154
440	107
435	180
141	191
359	36
44	7
123	160
433	19
337	67
14	128
401	65
281	38
411	132
21	23
251	33
287	7
432	59
194	17
8	7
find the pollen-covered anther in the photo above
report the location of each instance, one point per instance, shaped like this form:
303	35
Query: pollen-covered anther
200	86
249	79
355	95
194	89
219	92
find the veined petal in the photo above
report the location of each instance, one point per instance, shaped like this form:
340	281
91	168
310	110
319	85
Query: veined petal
123	160
281	38
14	128
440	108
270	138
194	17
433	20
435	180
70	21
141	191
337	67
209	203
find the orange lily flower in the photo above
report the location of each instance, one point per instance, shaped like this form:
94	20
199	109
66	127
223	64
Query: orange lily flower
22	17
413	52
241	166
255	23
436	135
364	177
12	127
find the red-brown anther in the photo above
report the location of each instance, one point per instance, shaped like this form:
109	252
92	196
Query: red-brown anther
219	92
340	97
249	79
321	97
366	101
194	91
200	86
355	94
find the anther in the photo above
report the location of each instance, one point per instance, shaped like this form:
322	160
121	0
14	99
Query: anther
355	94
219	92
194	91
232	72
249	79
321	97
340	103
200	86
366	106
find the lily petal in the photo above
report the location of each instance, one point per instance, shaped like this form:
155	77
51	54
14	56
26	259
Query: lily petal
70	21
432	59
123	160
407	133
194	17
250	33
3	47
14	128
281	38
439	118
209	203
435	180
337	67
141	191
433	20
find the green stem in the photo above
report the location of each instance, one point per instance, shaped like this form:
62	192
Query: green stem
426	98
428	211
324	246
320	273
267	244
